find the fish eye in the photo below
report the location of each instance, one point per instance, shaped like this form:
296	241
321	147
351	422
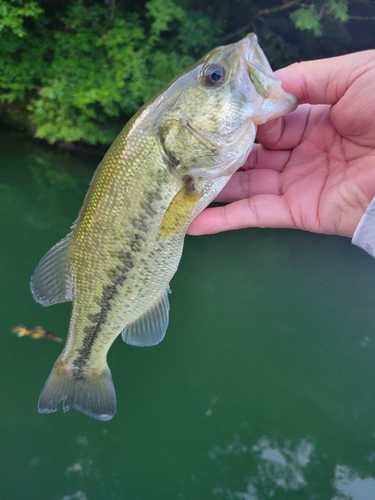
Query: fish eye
213	75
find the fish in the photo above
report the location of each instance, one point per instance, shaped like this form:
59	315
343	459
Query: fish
167	164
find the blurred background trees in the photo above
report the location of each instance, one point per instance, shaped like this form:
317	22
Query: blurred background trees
77	70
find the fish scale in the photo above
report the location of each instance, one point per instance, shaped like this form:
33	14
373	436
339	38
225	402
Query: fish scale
170	161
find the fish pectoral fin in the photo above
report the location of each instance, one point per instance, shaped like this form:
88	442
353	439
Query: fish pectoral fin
49	283
149	329
93	395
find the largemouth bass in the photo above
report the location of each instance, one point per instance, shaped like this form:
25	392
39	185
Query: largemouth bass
168	163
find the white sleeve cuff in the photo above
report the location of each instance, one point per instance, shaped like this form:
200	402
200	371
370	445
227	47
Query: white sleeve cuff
364	235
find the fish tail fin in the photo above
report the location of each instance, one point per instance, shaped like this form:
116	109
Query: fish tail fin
93	395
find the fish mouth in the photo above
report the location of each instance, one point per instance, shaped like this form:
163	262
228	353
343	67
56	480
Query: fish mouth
277	102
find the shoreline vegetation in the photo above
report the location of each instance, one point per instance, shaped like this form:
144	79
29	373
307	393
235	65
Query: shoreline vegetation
75	72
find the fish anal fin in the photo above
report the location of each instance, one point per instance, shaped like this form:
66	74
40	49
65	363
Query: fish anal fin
50	282
149	329
93	395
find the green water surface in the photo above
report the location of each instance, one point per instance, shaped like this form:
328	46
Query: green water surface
263	388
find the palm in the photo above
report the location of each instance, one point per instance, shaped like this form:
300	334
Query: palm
314	169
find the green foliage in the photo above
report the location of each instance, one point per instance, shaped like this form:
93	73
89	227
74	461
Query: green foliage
94	68
78	89
80	69
12	15
307	19
312	19
339	8
163	13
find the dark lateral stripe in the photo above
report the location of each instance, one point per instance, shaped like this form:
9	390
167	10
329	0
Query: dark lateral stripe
118	274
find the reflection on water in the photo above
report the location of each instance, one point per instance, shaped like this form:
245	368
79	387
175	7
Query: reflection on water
210	409
365	341
350	486
45	173
278	467
283	468
79	495
274	471
82	470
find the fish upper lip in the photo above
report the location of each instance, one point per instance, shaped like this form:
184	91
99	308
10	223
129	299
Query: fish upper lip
268	85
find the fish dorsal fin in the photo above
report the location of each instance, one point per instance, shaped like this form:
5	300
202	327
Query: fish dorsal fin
149	329
50	283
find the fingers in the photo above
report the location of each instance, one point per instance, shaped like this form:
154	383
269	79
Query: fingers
258	211
325	81
245	184
284	132
263	158
348	79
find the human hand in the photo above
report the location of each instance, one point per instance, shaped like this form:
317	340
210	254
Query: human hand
314	169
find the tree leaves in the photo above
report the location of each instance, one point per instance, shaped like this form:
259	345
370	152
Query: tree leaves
311	18
92	68
12	15
307	19
81	69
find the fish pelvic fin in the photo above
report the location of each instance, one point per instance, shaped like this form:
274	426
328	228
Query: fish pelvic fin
50	282
149	329
93	395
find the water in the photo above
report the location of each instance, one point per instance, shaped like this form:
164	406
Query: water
263	388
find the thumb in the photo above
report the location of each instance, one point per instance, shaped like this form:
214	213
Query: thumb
325	81
348	79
